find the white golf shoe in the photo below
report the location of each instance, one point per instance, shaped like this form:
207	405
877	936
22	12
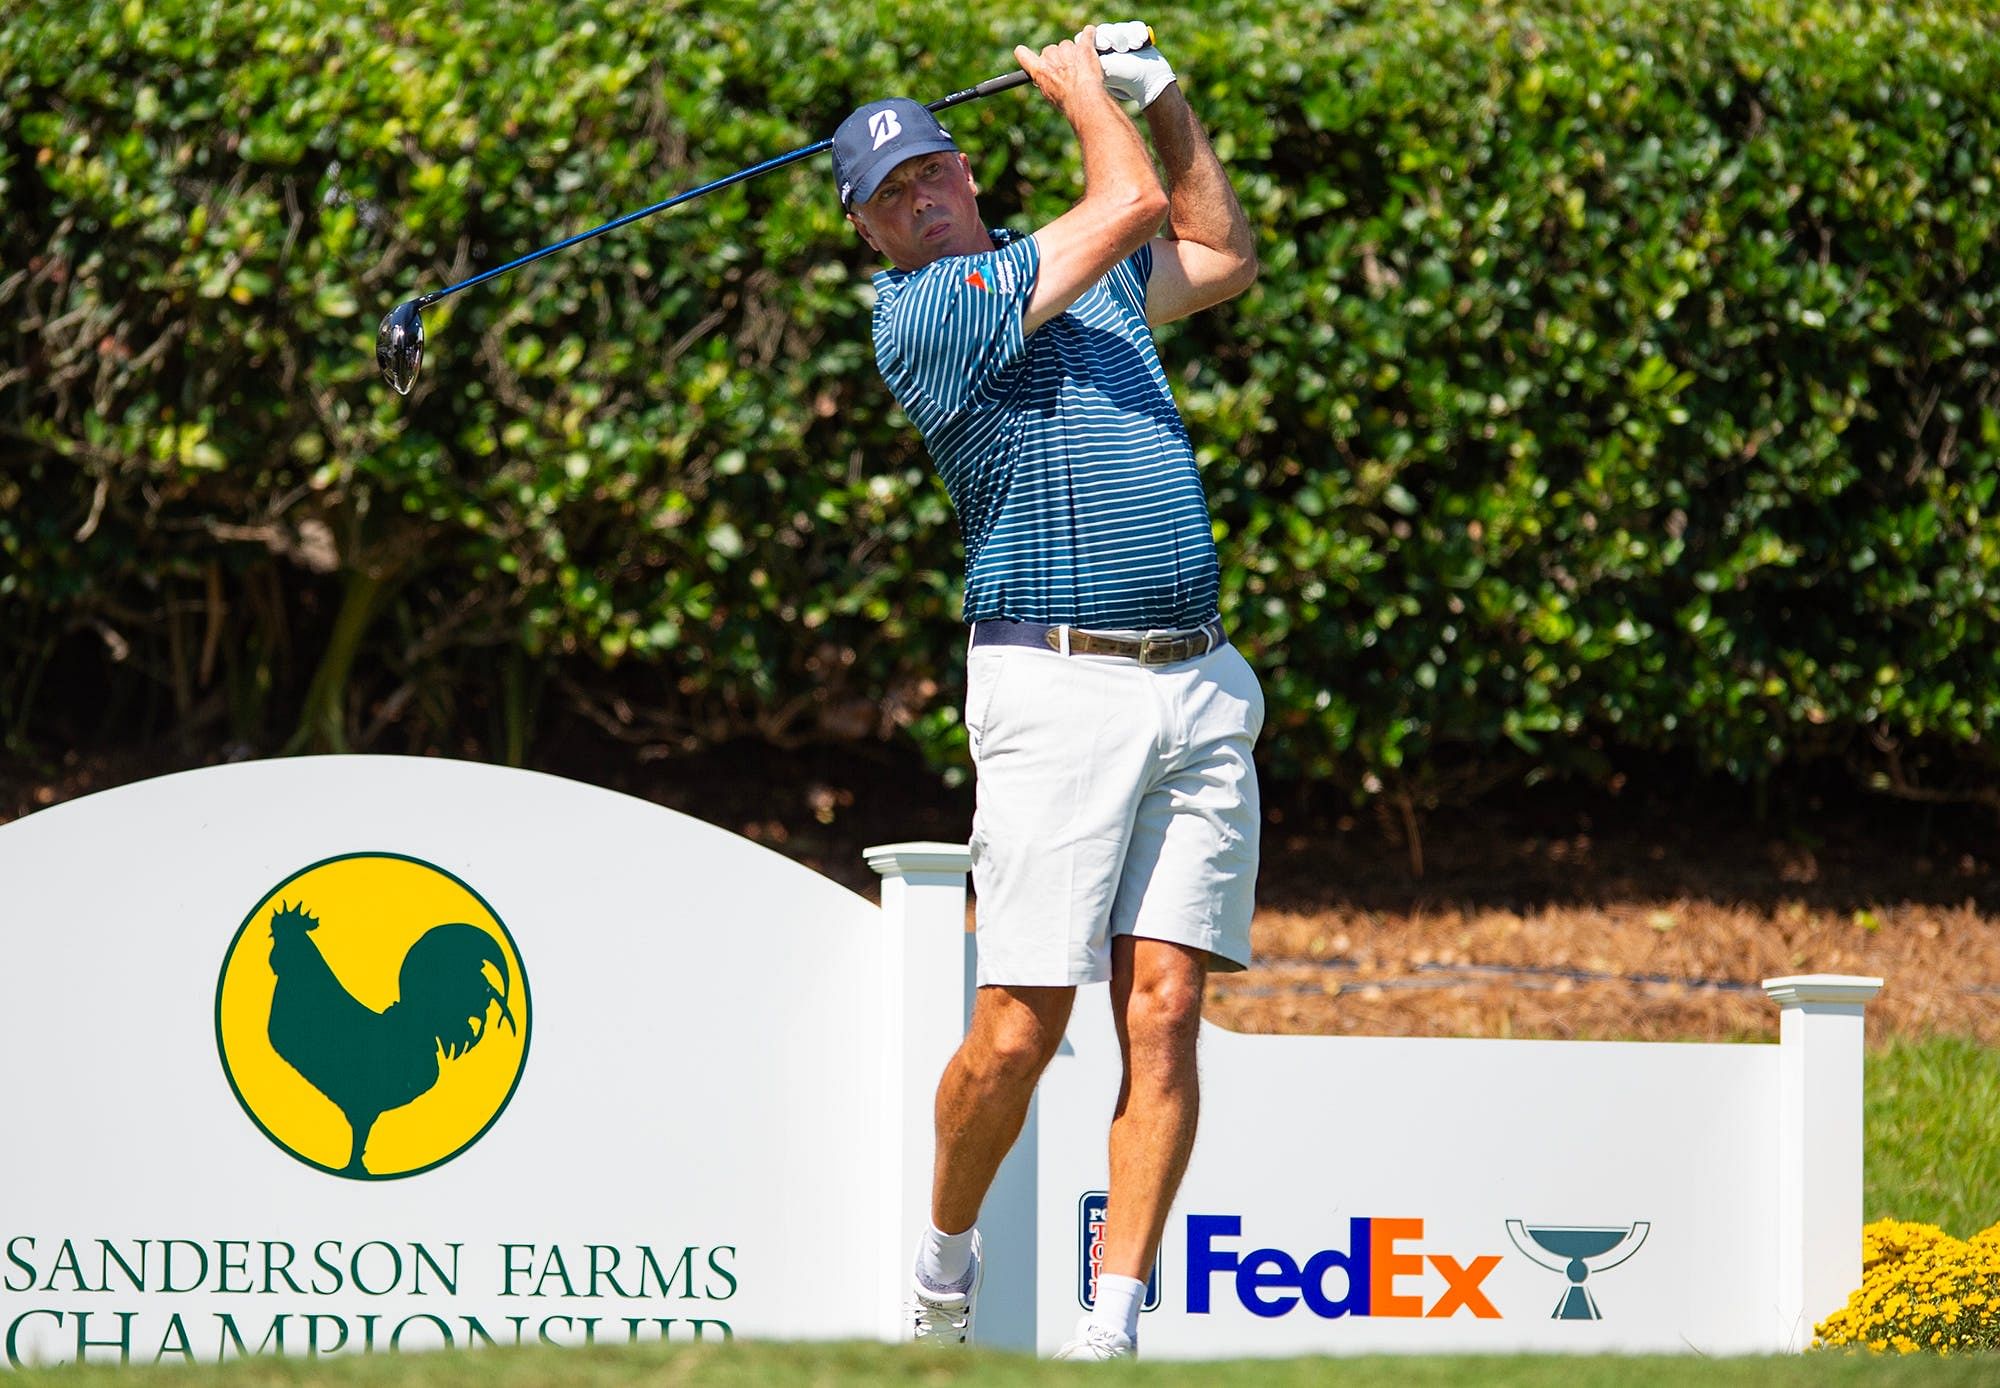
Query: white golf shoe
944	1318
1094	1341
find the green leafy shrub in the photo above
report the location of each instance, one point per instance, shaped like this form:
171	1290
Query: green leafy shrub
1621	377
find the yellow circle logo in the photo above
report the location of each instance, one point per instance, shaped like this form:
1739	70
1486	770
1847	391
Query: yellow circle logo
373	1016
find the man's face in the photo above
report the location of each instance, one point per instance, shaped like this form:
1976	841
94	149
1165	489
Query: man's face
927	208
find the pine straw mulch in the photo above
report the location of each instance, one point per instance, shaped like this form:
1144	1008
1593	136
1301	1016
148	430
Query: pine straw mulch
1654	927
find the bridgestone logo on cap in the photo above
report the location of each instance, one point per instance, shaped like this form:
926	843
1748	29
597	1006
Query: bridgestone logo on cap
884	126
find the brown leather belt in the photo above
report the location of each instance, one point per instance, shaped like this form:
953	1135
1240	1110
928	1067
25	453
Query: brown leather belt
1166	648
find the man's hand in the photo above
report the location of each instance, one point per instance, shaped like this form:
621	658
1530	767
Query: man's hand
1063	71
1133	67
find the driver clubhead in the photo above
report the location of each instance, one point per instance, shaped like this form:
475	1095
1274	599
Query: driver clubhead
399	346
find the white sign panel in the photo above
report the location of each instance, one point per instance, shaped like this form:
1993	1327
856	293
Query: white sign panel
340	1054
1367	1194
1360	1195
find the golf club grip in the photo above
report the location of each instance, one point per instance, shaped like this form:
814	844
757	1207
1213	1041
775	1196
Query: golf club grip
1004	82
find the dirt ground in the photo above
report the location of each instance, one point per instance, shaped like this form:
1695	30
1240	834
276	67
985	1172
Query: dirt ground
1543	914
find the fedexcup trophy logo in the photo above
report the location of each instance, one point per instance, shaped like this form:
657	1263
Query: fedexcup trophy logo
373	1016
1576	1252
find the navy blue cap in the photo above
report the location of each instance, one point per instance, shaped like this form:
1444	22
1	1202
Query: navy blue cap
876	138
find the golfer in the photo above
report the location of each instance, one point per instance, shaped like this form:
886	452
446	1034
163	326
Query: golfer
1110	720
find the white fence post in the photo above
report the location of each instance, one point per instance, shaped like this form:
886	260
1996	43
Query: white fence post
923	1010
1820	1035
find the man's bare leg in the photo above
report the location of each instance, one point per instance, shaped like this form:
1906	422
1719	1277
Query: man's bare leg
1156	996
982	1100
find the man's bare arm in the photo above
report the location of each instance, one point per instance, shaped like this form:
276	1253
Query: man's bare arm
1211	255
1122	202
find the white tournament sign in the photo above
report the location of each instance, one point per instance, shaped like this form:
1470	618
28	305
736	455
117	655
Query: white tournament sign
359	1053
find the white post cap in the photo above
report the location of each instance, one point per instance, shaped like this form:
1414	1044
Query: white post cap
1797	990
902	859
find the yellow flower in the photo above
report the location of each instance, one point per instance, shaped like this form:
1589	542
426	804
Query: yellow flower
1921	1289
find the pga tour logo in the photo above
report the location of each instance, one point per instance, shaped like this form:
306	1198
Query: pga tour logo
1090	1216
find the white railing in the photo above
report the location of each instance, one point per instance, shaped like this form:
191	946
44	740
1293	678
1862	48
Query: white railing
1721	1182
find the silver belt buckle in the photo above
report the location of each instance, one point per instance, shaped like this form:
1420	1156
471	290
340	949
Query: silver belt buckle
1157	650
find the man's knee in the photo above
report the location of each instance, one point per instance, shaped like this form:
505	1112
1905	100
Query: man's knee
1010	1054
1013	1042
1164	1013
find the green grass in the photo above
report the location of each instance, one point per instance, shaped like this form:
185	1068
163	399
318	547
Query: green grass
839	1366
1933	1134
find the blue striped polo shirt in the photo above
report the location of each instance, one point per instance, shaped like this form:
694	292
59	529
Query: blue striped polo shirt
1065	457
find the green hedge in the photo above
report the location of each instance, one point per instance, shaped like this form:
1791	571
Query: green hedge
1621	378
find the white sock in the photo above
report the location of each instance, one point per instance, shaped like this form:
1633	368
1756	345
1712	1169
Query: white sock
944	1260
1118	1301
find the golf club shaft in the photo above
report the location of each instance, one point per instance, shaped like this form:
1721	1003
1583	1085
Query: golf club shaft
986	88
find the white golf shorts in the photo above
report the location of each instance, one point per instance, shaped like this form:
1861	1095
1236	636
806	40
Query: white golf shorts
1113	798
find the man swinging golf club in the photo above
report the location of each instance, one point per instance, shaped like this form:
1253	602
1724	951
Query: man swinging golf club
1111	721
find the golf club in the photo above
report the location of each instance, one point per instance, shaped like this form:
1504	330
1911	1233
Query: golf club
399	342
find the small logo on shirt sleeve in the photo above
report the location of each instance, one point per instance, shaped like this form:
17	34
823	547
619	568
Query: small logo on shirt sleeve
1004	278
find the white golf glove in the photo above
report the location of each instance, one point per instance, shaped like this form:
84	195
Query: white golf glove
1133	68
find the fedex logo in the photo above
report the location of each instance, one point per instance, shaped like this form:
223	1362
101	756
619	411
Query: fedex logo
1270	1281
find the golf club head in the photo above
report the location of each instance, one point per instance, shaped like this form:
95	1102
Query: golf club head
399	346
